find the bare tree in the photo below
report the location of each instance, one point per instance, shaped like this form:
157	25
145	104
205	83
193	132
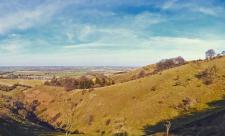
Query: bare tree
167	125
210	54
69	117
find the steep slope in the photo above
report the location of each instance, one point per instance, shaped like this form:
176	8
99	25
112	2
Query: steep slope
13	124
129	107
19	127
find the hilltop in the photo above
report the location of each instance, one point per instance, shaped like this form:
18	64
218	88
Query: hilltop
133	74
148	70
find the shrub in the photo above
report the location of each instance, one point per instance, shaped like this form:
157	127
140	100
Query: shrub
57	116
108	121
23	113
186	104
8	88
121	134
177	83
90	119
207	76
33	105
47	83
153	88
55	82
69	84
141	74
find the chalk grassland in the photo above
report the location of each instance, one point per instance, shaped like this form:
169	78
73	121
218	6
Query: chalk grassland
132	105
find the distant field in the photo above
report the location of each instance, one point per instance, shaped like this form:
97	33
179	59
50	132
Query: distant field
46	73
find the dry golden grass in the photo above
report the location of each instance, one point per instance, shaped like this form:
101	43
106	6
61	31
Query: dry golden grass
21	81
126	106
130	106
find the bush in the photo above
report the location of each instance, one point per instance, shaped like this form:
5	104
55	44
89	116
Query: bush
121	134
186	104
8	88
90	119
141	74
207	76
69	84
154	88
108	121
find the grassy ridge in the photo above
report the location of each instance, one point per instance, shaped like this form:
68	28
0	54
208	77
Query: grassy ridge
133	74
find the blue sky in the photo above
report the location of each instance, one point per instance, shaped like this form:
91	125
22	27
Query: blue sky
108	32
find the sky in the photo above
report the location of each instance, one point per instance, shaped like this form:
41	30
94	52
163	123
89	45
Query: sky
108	32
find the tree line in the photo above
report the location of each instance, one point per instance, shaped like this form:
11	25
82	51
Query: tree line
82	82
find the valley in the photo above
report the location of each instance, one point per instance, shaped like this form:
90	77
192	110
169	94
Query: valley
133	106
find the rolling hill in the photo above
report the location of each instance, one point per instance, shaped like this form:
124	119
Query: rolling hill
137	107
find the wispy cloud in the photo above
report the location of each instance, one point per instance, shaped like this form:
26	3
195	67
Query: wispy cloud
134	32
210	10
27	18
13	46
169	4
206	8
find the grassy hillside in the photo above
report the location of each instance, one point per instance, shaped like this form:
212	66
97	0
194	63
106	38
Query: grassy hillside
133	74
21	81
13	124
132	105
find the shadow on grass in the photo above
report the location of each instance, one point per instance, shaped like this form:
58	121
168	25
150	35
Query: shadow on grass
10	127
206	123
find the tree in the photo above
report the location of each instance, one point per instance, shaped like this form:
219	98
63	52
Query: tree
210	54
167	125
169	63
69	84
179	60
223	53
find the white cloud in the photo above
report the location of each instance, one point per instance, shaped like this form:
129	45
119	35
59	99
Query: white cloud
145	19
203	8
14	46
184	42
146	51
121	29
24	19
190	48
103	38
206	11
